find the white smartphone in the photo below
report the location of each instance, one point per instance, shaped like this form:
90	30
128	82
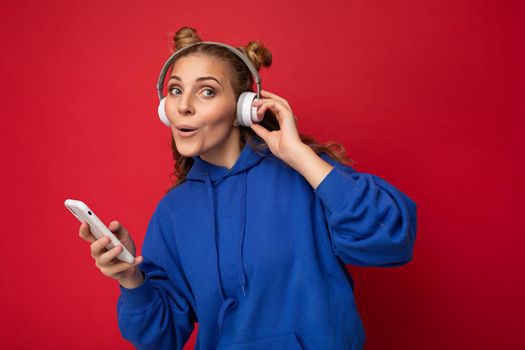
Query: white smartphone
82	212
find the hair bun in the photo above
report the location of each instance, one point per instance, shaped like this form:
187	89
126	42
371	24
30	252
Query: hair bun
258	54
184	37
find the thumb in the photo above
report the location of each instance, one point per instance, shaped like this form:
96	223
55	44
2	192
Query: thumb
261	131
114	226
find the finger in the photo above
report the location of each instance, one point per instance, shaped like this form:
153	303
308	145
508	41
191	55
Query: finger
114	226
261	110
117	228
120	266
111	254
279	98
263	102
278	108
85	234
98	245
271	95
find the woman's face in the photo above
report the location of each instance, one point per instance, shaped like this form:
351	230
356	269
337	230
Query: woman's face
200	97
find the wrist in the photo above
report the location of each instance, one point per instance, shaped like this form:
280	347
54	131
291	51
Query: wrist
133	281
295	157
310	165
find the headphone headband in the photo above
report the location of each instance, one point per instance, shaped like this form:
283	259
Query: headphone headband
249	64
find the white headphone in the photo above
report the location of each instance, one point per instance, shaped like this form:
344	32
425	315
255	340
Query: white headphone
246	113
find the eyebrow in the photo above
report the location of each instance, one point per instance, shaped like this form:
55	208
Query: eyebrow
198	79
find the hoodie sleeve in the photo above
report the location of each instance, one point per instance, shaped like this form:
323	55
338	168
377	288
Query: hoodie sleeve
371	223
157	314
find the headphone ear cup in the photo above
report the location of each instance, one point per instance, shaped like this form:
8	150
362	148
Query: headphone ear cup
246	113
162	112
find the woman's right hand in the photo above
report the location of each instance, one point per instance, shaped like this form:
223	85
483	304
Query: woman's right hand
128	275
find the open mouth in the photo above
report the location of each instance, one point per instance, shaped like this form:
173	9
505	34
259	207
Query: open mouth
185	132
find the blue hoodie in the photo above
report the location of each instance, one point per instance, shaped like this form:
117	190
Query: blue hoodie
257	257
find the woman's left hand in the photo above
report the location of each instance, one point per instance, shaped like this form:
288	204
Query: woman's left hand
284	142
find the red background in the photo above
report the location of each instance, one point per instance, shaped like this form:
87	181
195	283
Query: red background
425	94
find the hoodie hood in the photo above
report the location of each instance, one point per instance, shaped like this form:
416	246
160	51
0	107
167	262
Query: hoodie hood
211	175
201	169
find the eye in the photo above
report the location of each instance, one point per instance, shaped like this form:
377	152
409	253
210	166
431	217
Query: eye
171	88
213	92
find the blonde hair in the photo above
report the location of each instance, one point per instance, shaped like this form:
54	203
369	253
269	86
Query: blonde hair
241	80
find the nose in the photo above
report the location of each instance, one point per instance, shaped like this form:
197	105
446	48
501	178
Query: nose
185	105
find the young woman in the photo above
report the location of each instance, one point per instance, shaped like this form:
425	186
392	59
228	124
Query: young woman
252	240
